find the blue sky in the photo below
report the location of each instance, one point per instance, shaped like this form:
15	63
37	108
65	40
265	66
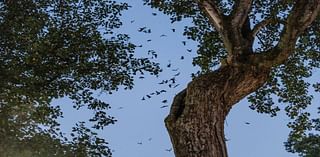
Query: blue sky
140	130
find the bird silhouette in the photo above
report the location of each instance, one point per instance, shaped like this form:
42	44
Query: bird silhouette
169	150
164	106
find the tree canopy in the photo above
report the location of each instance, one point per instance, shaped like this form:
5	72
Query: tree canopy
55	49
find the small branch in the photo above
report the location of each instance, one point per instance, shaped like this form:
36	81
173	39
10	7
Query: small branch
213	12
240	12
260	25
262	43
263	24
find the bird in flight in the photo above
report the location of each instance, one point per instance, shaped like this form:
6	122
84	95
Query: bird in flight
169	150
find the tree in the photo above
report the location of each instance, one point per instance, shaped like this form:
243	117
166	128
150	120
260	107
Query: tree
68	48
245	46
55	49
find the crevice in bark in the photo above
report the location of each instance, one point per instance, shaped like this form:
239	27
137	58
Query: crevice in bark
177	106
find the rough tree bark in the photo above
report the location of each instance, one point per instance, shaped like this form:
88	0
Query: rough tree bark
196	120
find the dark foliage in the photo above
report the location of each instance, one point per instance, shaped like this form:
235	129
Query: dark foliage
55	49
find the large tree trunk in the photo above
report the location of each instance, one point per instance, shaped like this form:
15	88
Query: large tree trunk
196	120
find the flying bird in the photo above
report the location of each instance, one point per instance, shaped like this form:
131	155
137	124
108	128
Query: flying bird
163	82
164	106
173	80
142	29
169	150
163	35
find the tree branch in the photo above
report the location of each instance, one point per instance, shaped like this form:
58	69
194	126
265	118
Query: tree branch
260	25
217	20
240	12
213	12
264	23
303	13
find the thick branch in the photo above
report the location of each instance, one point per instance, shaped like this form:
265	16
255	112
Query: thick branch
236	40
234	30
240	12
217	20
213	13
303	13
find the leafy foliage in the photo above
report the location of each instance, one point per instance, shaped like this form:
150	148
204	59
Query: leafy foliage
287	88
55	49
308	146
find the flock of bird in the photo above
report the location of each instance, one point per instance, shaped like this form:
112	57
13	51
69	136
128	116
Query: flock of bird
171	82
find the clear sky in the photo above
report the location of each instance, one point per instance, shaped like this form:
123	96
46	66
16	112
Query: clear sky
140	130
